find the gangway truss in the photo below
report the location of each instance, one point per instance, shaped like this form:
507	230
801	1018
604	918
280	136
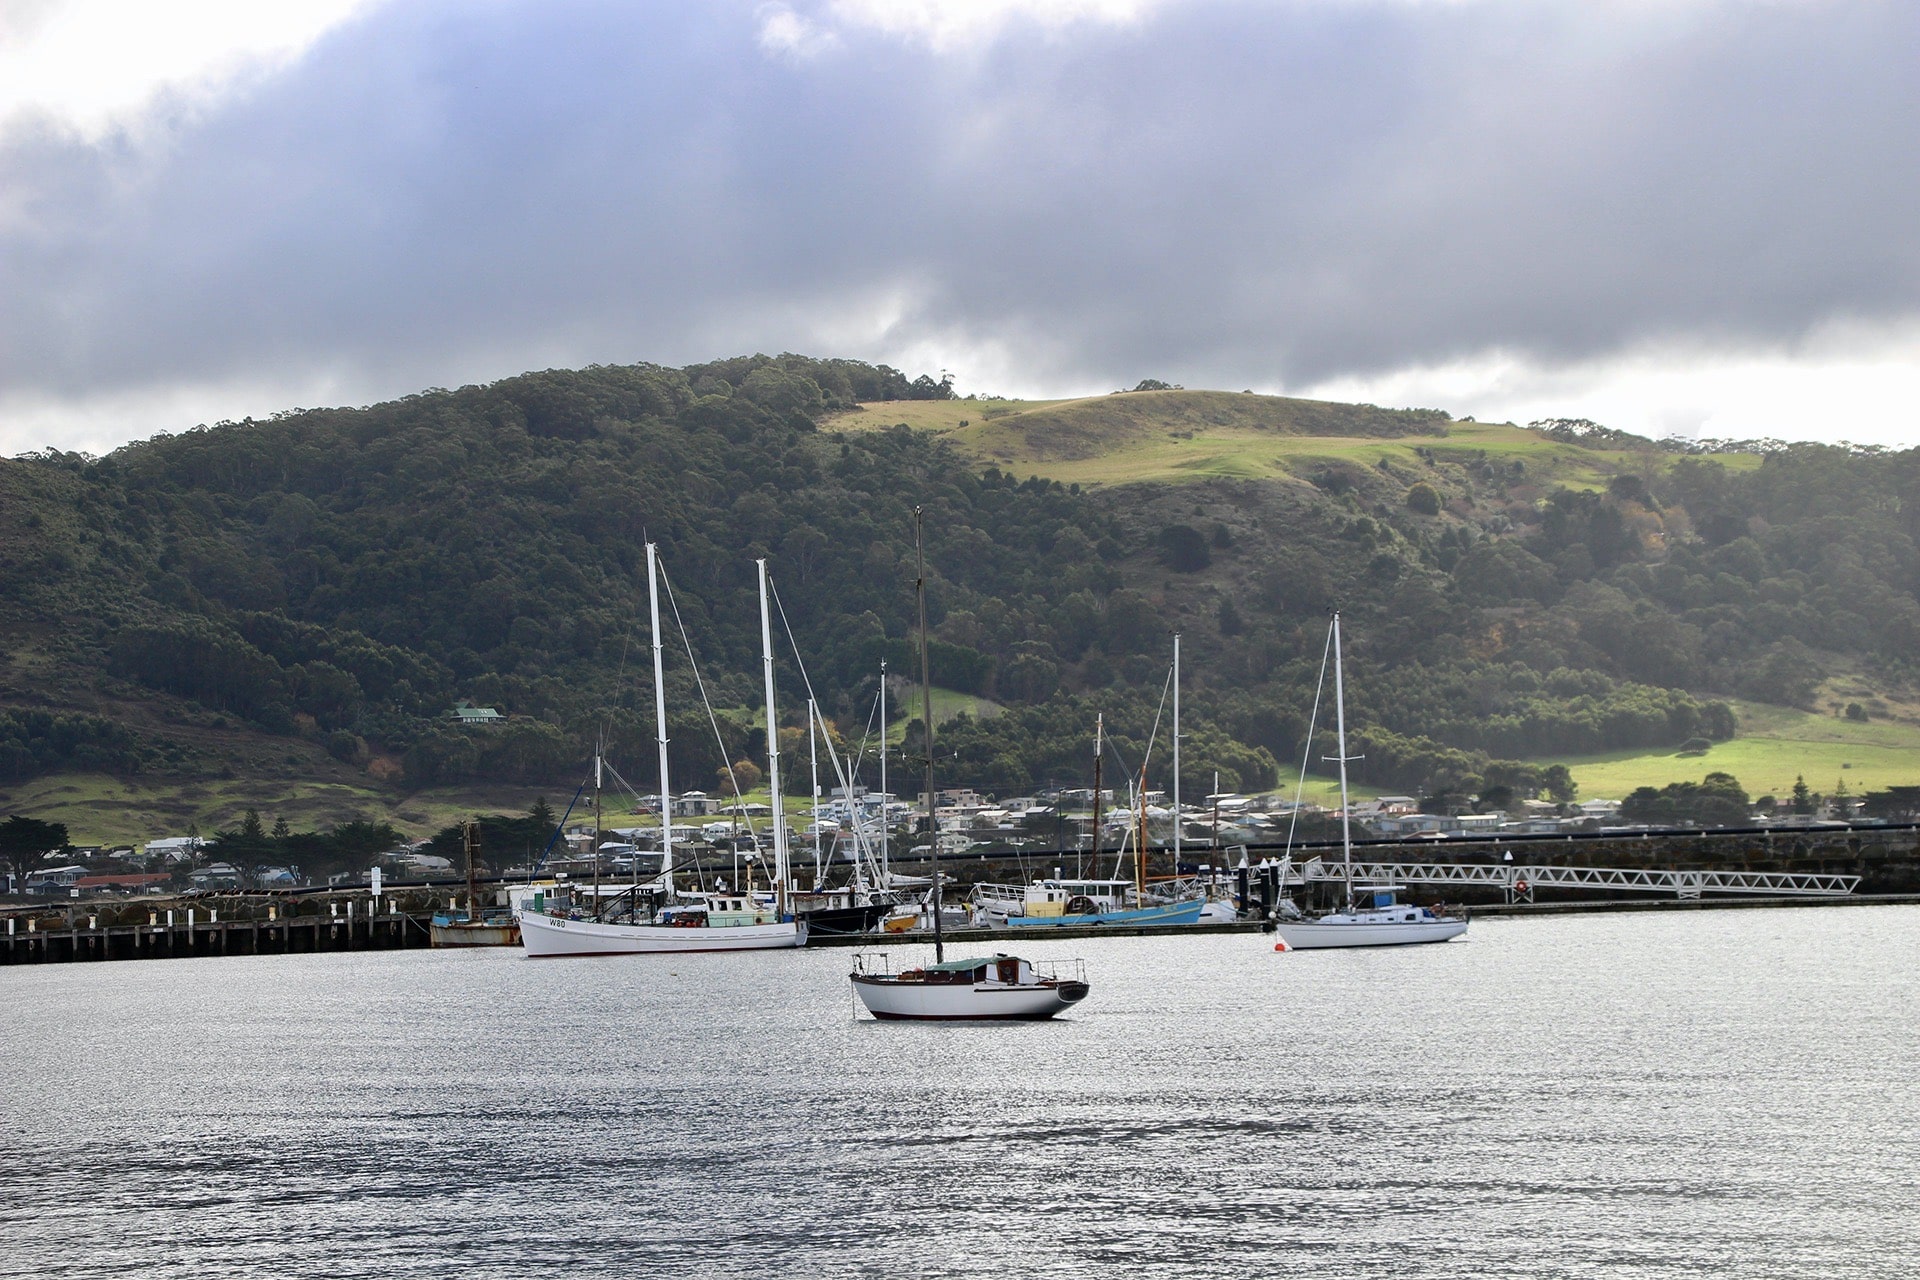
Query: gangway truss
1519	880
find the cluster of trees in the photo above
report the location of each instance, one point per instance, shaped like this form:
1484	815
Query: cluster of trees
504	839
25	841
343	846
1718	800
33	742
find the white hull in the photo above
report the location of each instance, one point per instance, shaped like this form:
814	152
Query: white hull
1307	935
891	998
545	935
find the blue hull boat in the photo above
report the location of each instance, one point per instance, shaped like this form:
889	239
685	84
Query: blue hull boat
1170	913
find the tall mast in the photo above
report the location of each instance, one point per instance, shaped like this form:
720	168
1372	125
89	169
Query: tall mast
1176	753
1340	724
660	733
599	754
886	872
773	752
472	842
1099	724
813	762
1140	845
926	716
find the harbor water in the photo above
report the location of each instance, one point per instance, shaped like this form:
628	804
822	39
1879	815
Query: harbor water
1712	1093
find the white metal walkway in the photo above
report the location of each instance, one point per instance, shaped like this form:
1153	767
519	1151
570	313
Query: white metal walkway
1519	880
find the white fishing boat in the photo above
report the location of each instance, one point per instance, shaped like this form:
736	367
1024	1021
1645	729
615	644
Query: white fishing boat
555	925
719	922
1378	920
999	988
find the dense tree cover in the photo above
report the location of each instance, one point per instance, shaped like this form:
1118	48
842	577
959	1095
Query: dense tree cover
34	742
346	574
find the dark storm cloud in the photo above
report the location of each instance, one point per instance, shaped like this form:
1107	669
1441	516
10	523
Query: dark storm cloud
1227	194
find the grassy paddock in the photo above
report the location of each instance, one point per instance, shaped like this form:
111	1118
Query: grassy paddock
1776	745
102	809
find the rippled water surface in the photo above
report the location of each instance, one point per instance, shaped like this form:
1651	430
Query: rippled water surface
1724	1093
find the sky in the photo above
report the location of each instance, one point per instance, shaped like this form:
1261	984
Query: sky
1676	217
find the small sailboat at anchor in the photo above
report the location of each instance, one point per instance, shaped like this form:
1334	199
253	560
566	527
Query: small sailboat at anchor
998	988
1374	917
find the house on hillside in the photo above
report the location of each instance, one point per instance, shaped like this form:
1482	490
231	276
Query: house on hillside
175	848
216	875
467	715
695	804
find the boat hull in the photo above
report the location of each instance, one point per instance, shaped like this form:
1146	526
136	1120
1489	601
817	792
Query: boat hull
1170	913
484	934
546	936
845	920
1315	935
892	999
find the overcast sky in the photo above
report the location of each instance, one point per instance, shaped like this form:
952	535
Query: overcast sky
1673	217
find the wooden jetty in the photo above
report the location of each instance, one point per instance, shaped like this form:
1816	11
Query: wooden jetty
145	930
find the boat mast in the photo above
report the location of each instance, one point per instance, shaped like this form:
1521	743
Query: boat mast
813	762
1140	845
472	842
1340	725
598	838
886	873
1176	753
1099	725
660	731
773	753
926	716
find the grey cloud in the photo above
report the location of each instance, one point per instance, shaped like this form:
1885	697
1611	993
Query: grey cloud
1224	193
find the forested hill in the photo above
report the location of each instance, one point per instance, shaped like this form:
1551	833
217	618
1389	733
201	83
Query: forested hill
315	592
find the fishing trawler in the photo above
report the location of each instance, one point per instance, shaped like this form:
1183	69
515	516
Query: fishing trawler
1056	902
476	926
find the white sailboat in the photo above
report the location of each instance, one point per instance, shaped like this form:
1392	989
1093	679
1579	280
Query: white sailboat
716	922
1375	918
1000	988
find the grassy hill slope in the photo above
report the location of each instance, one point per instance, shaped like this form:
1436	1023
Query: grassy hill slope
1179	436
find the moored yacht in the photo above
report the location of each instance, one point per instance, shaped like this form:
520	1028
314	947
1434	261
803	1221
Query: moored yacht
1001	988
989	988
554	925
1378	919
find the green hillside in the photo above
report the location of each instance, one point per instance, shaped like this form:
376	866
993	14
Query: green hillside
282	613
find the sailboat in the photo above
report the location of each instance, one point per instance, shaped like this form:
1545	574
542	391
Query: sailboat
1374	918
997	988
717	922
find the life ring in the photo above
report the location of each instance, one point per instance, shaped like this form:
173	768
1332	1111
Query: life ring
1519	886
